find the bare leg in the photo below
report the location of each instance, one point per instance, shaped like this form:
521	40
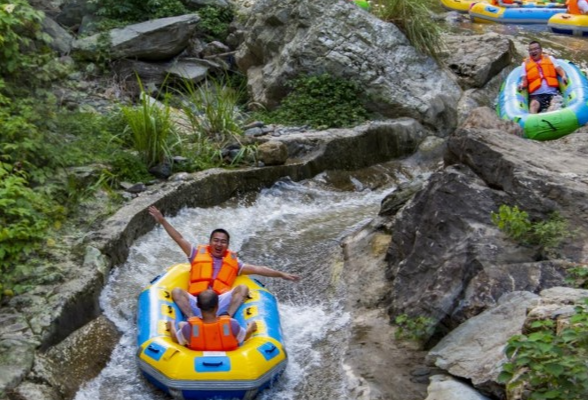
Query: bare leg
534	107
180	297
239	294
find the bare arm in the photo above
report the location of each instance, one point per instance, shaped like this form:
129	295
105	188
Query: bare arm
249	269
562	73
171	231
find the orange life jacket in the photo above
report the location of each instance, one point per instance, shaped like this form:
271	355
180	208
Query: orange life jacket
216	336
573	7
534	70
201	272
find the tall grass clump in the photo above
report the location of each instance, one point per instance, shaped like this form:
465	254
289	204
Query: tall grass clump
413	18
151	129
213	112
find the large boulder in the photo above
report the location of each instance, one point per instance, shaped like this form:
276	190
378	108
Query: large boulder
286	39
448	261
154	40
475	60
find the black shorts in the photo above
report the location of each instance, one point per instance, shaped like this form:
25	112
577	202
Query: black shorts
543	99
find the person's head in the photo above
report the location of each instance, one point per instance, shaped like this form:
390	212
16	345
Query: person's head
207	300
219	242
535	50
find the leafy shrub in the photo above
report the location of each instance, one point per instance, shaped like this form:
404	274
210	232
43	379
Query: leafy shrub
546	365
548	235
129	167
417	329
578	276
413	18
214	22
25	217
132	11
321	101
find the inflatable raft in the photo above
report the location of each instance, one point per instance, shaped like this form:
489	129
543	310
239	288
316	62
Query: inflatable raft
487	13
464	6
569	24
513	105
198	375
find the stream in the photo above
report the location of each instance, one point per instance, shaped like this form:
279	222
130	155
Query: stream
291	226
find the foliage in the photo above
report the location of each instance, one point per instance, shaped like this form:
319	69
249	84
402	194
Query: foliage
547	365
132	11
416	329
129	167
213	112
321	101
578	276
214	22
151	128
413	18
25	217
546	234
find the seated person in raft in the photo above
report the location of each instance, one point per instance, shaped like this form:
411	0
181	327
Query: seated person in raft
540	78
210	332
577	7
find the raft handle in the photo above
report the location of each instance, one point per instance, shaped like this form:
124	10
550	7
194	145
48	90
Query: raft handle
166	294
153	349
212	364
248	311
170	309
271	350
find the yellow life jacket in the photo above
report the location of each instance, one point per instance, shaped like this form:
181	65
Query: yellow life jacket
215	336
534	70
202	270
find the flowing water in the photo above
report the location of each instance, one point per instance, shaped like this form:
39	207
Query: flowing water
295	227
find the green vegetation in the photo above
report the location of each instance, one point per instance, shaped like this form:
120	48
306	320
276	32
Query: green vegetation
578	277
546	364
417	329
548	235
215	21
322	102
413	18
117	13
152	131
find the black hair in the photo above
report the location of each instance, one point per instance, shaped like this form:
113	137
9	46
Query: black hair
535	42
220	230
207	300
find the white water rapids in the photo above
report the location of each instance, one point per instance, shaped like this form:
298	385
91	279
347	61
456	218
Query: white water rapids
294	227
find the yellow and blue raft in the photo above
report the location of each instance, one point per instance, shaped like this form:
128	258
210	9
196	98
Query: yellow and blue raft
198	375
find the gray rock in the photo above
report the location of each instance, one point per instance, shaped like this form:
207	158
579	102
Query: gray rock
475	350
154	40
444	387
476	59
272	153
61	39
292	38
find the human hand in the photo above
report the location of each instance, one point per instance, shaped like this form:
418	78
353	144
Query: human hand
290	277
252	327
156	214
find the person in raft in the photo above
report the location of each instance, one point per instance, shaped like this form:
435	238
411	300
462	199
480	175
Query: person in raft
210	332
540	78
214	266
577	7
